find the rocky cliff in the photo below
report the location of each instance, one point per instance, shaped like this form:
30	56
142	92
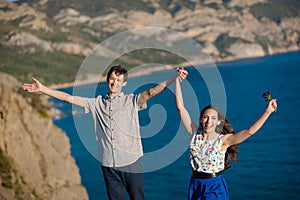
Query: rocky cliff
35	160
228	30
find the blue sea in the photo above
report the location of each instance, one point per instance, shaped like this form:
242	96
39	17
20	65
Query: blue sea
269	162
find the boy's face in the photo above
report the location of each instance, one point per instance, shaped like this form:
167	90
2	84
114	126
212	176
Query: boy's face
116	83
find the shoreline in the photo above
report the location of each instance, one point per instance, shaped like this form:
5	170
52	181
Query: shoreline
92	79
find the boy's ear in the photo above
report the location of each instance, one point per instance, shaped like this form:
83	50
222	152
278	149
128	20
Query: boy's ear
125	83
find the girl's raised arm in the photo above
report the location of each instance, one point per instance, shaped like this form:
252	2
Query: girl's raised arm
190	126
232	139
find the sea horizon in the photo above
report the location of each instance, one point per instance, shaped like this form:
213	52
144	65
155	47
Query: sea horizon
93	79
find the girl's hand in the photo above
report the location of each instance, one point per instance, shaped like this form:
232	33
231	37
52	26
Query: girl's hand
33	87
272	106
181	73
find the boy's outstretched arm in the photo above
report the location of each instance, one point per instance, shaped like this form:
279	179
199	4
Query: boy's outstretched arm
37	86
147	94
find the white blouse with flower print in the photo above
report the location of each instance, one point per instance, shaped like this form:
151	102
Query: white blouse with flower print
206	156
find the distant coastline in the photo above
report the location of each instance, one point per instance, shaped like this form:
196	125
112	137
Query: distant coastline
91	78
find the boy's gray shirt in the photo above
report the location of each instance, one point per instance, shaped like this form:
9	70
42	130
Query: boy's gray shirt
117	128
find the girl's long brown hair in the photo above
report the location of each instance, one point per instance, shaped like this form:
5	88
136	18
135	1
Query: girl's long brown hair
225	128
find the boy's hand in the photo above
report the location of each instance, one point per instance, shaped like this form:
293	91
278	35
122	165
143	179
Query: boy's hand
33	87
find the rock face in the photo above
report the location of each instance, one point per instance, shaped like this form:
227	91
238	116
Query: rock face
206	22
36	152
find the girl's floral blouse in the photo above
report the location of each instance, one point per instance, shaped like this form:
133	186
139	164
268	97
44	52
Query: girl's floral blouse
206	156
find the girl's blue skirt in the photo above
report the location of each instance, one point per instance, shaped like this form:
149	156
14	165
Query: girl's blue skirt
208	189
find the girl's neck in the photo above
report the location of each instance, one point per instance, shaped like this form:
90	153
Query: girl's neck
210	136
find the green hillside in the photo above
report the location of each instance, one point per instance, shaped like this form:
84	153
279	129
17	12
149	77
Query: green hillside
58	66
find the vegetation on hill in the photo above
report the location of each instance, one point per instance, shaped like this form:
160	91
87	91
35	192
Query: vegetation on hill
277	9
54	67
57	66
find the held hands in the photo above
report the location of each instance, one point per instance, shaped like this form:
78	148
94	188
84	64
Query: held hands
181	73
33	87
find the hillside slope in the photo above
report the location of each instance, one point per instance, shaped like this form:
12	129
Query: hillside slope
52	38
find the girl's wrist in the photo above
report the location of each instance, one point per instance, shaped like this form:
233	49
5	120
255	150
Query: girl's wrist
268	112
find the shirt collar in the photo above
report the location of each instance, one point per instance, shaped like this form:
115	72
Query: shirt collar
121	94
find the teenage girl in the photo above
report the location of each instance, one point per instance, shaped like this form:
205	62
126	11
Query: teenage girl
213	143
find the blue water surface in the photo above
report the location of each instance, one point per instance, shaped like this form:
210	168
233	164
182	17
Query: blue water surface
268	166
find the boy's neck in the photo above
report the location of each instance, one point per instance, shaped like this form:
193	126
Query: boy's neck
112	95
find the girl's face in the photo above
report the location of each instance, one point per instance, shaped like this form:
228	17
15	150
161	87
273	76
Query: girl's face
209	121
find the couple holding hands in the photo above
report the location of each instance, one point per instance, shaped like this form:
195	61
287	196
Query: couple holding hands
213	140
